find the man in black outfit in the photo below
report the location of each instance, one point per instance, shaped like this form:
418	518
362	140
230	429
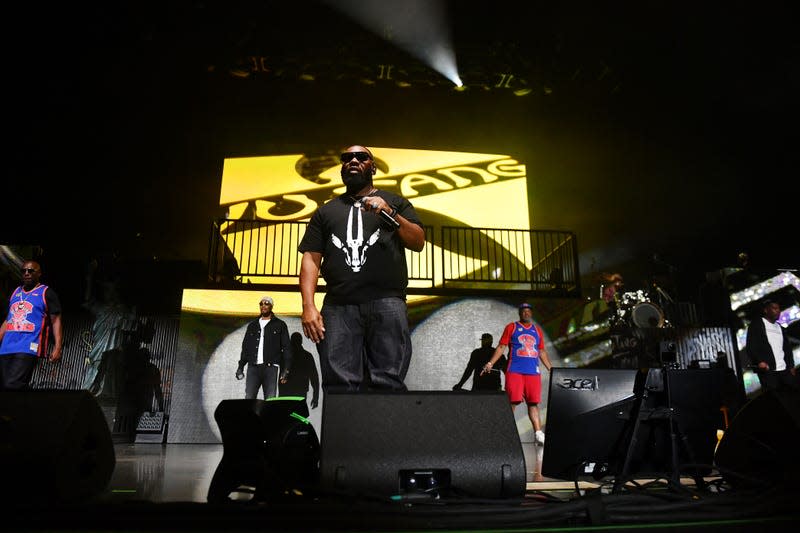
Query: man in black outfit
265	349
770	351
478	358
357	242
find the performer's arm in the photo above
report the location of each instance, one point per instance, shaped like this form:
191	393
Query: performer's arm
313	326
411	235
242	360
498	353
501	364
753	345
3	331
57	337
545	359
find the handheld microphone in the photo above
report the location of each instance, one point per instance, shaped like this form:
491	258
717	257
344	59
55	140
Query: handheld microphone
389	219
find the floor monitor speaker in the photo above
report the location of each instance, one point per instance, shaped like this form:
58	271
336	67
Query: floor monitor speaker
269	448
421	444
56	446
760	444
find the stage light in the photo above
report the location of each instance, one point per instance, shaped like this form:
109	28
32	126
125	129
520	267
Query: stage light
417	26
443	60
239	72
762	289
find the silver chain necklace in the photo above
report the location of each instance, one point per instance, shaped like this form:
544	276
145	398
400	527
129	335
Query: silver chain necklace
22	299
357	200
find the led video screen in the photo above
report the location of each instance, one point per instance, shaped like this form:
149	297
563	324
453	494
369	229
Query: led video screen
268	199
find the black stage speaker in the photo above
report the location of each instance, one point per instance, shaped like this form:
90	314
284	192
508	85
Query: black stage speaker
695	396
588	414
419	444
268	445
55	446
676	423
760	445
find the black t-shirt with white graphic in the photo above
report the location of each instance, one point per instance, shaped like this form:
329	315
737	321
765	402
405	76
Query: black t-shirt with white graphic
362	258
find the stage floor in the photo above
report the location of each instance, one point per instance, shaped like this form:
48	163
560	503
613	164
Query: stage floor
158	487
183	472
172	481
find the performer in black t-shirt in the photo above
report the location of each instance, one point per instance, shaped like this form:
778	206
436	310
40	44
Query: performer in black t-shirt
357	242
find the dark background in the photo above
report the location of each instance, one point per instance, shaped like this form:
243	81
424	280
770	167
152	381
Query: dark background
662	133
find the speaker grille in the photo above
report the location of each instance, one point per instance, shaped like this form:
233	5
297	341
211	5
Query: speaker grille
368	439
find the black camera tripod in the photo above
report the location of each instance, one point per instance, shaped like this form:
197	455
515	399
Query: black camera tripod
657	408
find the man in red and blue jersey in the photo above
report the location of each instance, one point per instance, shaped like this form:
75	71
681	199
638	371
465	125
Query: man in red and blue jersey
525	341
34	312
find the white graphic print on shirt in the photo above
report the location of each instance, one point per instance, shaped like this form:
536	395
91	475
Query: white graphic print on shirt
354	255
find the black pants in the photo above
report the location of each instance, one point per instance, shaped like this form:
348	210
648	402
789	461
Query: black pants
374	335
16	371
258	376
776	380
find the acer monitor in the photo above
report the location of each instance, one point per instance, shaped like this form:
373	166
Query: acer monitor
588	421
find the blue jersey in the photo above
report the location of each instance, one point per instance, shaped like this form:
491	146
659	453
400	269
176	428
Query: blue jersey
27	323
524	342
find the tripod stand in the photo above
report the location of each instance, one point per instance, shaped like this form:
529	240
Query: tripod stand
655	409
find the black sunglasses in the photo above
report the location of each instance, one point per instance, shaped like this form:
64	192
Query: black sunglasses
361	156
30	270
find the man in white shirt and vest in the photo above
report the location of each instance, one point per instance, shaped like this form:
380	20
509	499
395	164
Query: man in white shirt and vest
265	351
770	351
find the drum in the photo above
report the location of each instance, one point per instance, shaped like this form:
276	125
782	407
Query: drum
629	299
647	315
636	310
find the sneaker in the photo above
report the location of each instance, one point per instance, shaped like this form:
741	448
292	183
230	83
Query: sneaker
538	438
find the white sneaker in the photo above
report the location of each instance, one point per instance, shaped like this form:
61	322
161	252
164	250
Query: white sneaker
538	438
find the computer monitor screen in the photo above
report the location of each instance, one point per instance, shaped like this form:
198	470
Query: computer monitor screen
588	416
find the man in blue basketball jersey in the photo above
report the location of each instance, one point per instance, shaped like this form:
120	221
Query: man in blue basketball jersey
525	342
34	314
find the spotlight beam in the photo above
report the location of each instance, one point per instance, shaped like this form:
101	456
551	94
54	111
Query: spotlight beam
419	27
